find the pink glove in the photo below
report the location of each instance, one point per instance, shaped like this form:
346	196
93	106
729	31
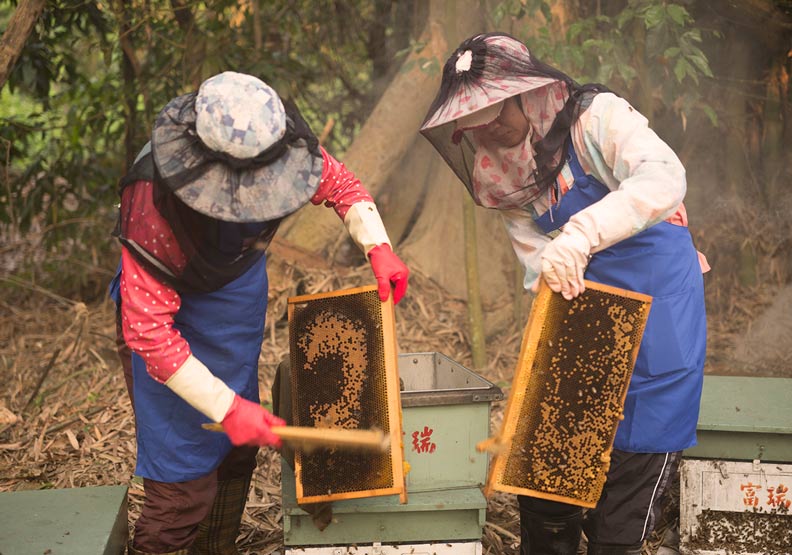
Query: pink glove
248	423
388	268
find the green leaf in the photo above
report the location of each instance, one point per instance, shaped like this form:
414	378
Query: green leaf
627	72
672	52
680	69
545	9
678	13
711	114
627	14
691	71
700	61
654	16
574	31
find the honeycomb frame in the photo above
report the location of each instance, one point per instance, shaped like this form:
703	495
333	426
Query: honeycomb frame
563	410
344	374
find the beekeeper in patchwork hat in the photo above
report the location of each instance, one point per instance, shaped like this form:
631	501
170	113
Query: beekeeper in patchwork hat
224	166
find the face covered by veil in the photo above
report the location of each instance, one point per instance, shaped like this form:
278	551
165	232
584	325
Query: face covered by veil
482	73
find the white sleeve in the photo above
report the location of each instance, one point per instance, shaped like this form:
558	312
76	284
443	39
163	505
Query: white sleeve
204	391
527	240
365	226
650	176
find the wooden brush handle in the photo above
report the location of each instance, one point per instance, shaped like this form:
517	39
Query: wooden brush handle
371	440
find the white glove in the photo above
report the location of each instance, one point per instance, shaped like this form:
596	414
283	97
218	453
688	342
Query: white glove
564	261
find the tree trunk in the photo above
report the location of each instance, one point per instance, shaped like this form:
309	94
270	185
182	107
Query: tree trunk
381	144
401	199
16	34
435	247
130	69
478	344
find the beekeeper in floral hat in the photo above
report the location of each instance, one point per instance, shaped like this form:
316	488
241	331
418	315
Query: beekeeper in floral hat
224	166
586	190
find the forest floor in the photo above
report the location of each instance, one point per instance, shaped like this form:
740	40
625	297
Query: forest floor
66	420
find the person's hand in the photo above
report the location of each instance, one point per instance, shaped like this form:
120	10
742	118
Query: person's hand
388	269
248	423
564	261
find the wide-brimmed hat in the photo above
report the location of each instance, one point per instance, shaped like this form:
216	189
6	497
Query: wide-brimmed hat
233	152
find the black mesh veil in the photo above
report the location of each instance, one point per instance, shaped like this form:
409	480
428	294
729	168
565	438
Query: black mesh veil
500	66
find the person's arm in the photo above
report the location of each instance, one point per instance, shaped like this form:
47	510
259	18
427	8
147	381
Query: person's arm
341	190
651	177
527	240
148	309
651	187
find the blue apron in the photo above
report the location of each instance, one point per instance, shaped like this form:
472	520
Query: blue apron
662	405
224	329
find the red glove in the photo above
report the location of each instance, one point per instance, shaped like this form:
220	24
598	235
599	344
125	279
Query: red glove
388	268
248	423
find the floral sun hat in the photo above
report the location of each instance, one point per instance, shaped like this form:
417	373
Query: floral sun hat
478	77
232	151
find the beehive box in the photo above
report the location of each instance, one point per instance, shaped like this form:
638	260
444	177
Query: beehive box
735	507
445	411
734	488
69	521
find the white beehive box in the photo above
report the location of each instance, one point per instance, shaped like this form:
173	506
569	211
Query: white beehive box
735	507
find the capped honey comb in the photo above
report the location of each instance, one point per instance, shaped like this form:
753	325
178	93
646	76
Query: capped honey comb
345	375
567	395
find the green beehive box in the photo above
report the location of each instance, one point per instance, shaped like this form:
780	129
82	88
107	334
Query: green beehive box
446	412
74	521
744	418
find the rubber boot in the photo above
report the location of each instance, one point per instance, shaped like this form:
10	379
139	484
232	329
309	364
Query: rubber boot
132	551
605	549
218	532
542	534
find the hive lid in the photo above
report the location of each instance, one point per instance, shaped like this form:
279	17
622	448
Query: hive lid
746	404
432	378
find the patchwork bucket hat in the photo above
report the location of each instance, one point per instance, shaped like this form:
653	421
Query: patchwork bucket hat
233	152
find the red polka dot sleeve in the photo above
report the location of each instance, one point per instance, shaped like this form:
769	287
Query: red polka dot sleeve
148	308
339	188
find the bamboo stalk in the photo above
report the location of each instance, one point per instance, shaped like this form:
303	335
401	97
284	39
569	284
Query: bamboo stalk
304	436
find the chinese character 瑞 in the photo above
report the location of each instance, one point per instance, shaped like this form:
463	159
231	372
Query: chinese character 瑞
776	496
750	499
422	441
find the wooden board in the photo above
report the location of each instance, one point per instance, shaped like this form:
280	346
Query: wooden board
344	374
567	395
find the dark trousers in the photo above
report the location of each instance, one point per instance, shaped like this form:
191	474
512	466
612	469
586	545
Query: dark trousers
172	511
632	501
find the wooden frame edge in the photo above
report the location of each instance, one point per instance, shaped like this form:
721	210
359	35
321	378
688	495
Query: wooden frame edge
530	337
337	293
543	495
391	355
349	495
